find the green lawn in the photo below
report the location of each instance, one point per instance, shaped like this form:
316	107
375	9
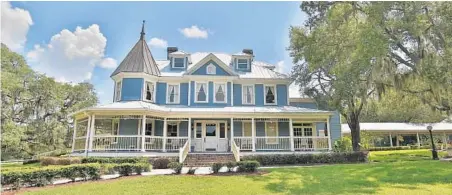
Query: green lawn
403	155
411	177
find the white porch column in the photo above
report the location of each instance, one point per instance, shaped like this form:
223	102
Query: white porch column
74	134
165	130
189	92
189	134
444	139
330	146
292	146
397	140
88	127
232	94
418	140
232	132
91	135
253	134
143	132
390	139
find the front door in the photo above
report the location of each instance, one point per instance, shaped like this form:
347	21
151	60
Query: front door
211	137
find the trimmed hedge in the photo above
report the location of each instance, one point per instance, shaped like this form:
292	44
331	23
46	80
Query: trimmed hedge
41	176
322	158
248	166
45	161
114	160
216	167
176	166
160	163
231	165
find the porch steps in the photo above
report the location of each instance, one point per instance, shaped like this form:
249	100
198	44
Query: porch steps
199	160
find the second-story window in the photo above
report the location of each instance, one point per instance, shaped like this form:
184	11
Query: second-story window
172	96
179	63
149	91
242	64
248	94
202	92
270	95
220	93
118	91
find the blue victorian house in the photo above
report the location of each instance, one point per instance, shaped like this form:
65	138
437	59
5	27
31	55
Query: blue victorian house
202	102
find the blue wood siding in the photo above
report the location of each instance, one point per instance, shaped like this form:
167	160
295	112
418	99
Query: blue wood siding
161	93
335	125
281	91
128	126
183	94
183	131
132	89
158	128
238	128
203	70
237	95
259	94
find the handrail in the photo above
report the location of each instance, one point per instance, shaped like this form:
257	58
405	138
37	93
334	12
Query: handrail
183	152
236	150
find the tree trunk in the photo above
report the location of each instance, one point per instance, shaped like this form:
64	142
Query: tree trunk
353	123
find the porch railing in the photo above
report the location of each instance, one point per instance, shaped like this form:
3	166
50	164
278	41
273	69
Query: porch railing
153	143
273	143
310	143
183	152
79	144
244	143
116	142
174	143
236	151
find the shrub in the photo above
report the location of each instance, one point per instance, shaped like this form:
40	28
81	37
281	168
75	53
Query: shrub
248	166
75	161
177	167
191	171
45	161
63	161
322	158
113	160
216	167
343	145
124	169
391	148
231	165
31	161
160	163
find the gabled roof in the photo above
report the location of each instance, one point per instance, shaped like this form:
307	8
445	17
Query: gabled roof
210	56
139	59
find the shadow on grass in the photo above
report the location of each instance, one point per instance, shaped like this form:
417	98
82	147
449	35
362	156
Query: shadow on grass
356	179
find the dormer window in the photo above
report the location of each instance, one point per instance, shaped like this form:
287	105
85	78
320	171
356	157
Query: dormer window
242	64
178	62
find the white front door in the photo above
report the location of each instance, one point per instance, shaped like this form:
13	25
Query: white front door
210	136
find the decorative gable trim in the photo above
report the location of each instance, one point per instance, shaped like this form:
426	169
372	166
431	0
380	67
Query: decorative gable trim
207	59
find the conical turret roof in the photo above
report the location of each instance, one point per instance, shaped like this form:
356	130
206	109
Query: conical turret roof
139	59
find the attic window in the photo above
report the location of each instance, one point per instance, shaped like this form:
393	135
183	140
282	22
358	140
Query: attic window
178	62
242	64
211	69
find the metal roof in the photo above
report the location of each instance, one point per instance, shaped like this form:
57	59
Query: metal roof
139	59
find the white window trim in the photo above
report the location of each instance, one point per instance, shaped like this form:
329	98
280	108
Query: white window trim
118	93
243	128
225	90
277	132
172	62
177	124
303	127
194	129
206	91
252	99
177	101
247	64
214	69
275	93
145	91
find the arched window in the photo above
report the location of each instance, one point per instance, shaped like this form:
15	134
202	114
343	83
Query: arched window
211	69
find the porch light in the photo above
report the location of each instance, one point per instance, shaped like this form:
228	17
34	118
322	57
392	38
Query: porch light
434	152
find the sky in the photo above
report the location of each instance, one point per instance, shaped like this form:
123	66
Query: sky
86	41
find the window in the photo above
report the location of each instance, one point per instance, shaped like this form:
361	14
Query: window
303	129
247	128
172	95
222	130
201	93
149	91
242	64
248	94
118	91
271	130
220	93
171	130
149	131
178	62
211	69
198	130
270	95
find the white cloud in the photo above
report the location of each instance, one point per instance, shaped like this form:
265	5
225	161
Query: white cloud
71	56
194	32
158	43
15	25
108	63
